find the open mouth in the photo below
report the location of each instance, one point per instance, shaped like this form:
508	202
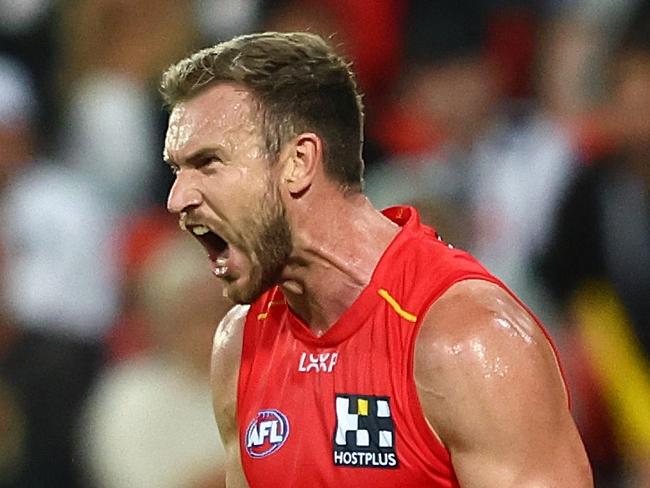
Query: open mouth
213	243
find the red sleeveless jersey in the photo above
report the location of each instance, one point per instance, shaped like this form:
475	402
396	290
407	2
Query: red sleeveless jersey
342	410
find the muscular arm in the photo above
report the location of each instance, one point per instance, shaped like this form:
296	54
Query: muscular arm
224	372
490	387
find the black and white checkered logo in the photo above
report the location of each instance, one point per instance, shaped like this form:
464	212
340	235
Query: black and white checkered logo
365	433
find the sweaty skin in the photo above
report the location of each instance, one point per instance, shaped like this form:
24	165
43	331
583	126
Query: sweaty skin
491	388
223	177
487	378
224	375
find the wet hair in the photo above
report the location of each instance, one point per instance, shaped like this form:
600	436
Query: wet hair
300	84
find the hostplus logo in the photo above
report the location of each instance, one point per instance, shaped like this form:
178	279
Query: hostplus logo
266	433
365	433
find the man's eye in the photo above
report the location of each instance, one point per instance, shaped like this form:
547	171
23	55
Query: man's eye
209	160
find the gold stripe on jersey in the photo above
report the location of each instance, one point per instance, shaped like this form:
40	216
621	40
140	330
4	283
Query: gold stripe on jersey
263	315
396	306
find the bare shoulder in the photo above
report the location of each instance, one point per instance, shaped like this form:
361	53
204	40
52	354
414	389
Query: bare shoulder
224	370
490	386
224	375
477	321
476	342
229	334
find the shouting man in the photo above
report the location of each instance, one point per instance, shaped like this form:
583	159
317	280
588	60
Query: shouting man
365	350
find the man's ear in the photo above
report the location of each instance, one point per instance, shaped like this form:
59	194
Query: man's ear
302	162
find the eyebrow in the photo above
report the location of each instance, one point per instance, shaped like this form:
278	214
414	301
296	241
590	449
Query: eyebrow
196	156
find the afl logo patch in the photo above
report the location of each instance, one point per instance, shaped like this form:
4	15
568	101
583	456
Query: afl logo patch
266	433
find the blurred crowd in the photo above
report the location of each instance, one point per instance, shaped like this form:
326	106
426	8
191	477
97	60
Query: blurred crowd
519	129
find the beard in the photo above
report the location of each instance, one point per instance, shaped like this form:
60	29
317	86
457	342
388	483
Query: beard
269	246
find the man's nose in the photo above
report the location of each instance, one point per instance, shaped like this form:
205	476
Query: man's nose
183	194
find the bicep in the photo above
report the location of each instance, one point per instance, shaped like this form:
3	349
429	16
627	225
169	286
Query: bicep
490	386
519	444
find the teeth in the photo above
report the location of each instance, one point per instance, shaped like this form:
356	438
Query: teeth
220	271
200	230
221	261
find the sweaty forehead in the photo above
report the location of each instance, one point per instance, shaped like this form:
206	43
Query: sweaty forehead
210	116
223	98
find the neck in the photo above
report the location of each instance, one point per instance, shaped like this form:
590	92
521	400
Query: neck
337	246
